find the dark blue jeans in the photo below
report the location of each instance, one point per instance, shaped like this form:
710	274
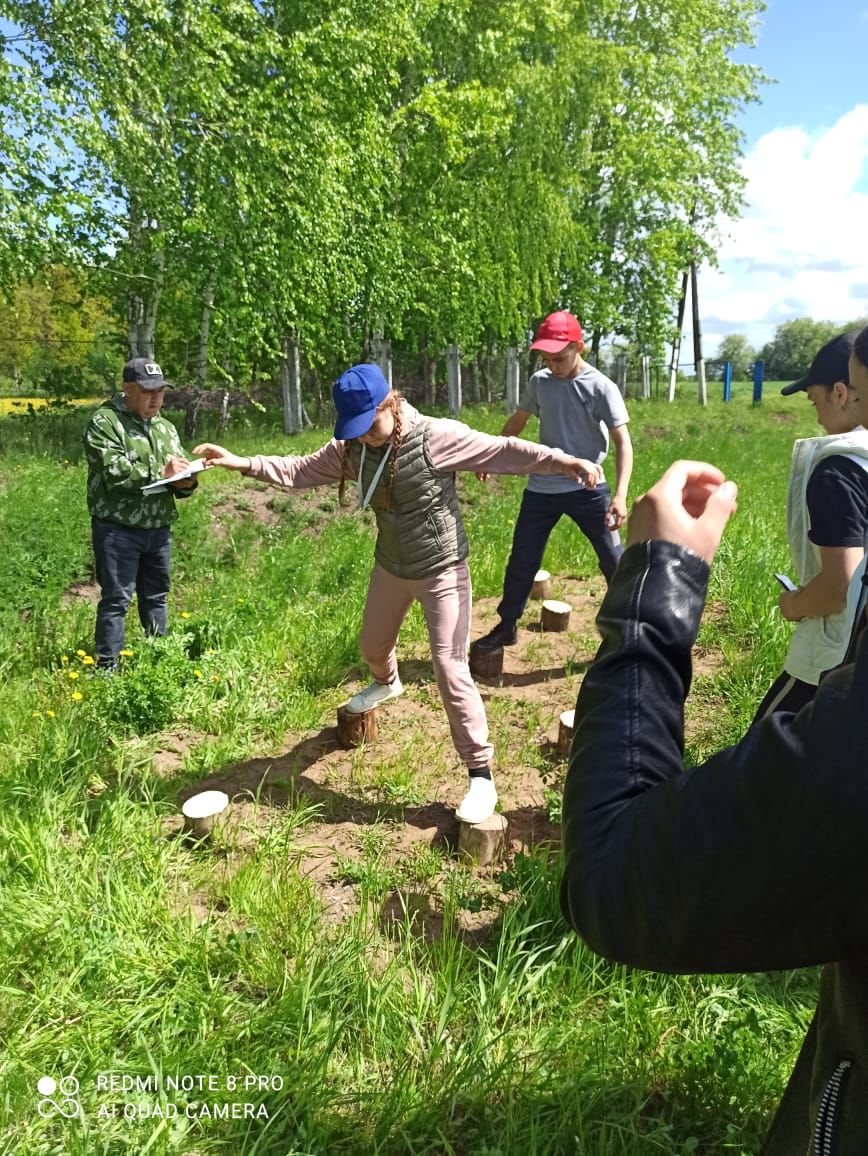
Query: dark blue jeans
538	516
128	561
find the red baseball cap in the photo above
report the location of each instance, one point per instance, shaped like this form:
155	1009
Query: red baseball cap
557	331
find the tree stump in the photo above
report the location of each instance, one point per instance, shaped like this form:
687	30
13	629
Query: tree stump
486	663
565	731
355	729
542	585
484	842
202	811
555	615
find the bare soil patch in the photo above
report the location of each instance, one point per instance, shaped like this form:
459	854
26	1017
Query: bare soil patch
400	793
87	590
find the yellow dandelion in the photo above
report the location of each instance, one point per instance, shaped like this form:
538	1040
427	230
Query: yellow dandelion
87	660
197	673
64	659
77	696
81	653
240	601
210	650
49	714
35	713
125	653
185	613
72	674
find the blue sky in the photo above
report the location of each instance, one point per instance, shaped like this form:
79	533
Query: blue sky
801	245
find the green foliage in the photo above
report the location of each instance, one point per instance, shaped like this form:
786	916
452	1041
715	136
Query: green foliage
56	337
432	172
790	352
145	694
736	348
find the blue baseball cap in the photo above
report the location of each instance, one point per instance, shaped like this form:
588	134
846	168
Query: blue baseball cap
357	393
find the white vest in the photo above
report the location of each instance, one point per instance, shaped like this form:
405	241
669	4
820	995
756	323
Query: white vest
819	644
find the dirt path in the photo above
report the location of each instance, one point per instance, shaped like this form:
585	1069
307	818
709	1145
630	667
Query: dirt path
383	817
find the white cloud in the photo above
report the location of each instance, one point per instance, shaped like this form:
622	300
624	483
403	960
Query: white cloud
801	247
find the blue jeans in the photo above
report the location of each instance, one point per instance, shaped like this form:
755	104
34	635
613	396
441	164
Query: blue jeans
129	560
538	516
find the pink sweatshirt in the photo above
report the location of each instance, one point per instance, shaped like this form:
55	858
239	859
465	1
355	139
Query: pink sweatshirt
452	445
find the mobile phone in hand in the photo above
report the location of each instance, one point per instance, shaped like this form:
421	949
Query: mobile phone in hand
787	583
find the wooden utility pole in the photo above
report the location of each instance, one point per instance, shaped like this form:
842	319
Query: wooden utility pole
699	364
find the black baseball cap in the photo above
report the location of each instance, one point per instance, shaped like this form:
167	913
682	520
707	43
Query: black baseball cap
145	373
831	364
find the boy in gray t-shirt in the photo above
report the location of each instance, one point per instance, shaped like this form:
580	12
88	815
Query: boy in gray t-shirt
579	409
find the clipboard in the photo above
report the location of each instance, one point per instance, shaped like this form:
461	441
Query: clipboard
163	484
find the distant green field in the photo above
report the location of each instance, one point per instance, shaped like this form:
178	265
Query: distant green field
472	1022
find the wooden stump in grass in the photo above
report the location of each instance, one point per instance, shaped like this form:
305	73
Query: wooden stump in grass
484	842
201	812
542	585
565	731
486	663
355	729
555	616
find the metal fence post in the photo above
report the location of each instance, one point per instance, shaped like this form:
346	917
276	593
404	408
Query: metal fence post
727	381
758	371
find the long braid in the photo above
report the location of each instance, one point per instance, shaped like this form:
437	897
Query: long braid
397	437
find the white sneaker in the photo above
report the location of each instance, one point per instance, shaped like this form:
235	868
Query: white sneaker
374	695
479	802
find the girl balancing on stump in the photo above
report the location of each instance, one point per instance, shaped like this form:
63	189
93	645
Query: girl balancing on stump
404	466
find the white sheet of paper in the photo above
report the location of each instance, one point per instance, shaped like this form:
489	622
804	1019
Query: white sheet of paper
157	487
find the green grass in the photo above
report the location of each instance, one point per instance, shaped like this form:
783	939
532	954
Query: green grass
385	1040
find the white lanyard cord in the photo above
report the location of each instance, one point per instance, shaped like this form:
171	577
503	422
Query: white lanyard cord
365	499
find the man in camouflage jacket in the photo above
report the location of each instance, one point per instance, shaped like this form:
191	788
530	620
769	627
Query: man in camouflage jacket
129	445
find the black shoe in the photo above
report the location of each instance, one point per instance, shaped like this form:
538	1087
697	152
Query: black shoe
504	634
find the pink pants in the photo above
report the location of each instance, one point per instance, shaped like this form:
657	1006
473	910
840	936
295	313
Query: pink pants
445	599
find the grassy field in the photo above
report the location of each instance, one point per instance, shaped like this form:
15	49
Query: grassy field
327	976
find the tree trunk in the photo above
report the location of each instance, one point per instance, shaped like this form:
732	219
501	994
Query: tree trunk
224	411
205	328
191	417
152	305
430	381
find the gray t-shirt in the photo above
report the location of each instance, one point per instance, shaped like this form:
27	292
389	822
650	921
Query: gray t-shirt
575	416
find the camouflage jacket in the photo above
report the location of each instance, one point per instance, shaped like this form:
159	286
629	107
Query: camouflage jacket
122	456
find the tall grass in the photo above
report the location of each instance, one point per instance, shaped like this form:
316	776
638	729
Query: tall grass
129	952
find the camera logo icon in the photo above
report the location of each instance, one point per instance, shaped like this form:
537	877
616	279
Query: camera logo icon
66	1105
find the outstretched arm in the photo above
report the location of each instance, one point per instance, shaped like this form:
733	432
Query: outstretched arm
455	446
320	468
215	455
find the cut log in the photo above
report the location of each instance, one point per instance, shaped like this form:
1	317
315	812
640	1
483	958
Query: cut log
483	843
201	812
565	731
542	585
555	615
486	663
355	729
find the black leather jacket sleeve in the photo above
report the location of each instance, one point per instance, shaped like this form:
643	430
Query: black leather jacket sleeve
750	861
